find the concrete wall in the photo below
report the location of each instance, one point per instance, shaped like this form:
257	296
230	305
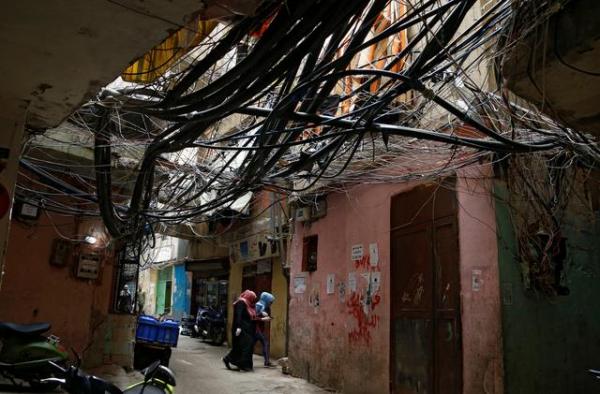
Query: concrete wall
147	284
35	291
480	306
334	344
549	343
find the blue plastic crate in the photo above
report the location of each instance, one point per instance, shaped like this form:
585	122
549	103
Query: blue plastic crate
147	329
168	333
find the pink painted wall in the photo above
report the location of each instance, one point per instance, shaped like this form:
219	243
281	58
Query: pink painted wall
333	345
327	344
34	291
480	309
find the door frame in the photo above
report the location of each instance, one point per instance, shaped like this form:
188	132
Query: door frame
435	314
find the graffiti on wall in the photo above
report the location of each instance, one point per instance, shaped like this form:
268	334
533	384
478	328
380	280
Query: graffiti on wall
363	298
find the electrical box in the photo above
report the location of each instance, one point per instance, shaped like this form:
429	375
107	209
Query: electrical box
319	209
303	214
62	250
89	266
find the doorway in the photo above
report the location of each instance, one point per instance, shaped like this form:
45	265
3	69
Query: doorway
257	277
425	344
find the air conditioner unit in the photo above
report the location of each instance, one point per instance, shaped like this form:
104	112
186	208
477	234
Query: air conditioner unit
302	214
319	209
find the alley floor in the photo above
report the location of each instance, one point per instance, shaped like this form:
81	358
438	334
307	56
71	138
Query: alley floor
199	370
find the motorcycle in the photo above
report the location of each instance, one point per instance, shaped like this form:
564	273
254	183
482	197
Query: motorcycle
158	379
210	324
25	354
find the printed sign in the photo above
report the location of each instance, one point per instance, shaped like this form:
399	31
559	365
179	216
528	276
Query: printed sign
352	282
330	283
299	284
374	254
476	280
375	281
357	252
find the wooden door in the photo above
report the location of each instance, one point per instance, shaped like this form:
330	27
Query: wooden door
425	316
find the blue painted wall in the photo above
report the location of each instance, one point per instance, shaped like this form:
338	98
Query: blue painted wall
181	296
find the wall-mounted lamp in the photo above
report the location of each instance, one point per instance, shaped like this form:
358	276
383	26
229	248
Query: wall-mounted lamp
89	239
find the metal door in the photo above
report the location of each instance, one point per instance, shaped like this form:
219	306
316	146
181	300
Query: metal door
425	317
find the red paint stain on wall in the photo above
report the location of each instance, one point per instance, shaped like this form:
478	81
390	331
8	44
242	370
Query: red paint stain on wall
365	262
365	322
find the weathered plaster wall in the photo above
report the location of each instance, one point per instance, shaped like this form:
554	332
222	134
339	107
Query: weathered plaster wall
233	292
36	291
335	344
480	301
550	343
182	292
332	342
279	288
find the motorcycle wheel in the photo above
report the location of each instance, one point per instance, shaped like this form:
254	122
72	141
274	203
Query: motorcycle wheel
217	336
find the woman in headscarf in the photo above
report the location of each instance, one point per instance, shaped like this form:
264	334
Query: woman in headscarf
243	331
263	315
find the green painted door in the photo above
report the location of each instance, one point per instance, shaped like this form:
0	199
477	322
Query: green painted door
163	291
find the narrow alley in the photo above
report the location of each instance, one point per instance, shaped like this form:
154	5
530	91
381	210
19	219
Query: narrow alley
198	368
384	196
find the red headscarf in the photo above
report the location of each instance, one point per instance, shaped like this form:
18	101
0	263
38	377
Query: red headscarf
248	297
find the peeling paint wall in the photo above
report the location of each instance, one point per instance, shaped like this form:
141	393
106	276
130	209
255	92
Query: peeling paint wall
341	339
550	343
480	283
36	291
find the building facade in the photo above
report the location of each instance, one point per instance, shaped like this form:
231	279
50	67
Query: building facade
396	289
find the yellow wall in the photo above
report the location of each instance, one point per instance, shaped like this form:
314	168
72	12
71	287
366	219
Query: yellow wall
235	288
279	289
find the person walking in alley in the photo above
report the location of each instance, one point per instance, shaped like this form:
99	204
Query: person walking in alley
243	332
263	315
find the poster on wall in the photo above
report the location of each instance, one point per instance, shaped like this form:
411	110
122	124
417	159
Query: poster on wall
375	281
373	254
330	283
352	282
299	284
356	252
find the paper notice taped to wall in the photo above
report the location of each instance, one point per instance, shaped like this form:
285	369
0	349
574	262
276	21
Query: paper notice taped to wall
356	252
373	254
330	283
299	284
352	282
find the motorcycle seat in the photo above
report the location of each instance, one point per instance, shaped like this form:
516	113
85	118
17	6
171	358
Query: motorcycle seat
24	329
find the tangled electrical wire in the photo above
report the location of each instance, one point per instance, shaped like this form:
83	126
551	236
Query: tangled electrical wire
301	96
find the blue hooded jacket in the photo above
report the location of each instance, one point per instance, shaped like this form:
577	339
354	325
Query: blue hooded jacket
266	299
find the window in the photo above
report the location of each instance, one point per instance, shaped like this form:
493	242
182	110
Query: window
309	253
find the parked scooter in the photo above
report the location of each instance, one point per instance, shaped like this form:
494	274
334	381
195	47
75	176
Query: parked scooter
26	352
158	379
210	324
